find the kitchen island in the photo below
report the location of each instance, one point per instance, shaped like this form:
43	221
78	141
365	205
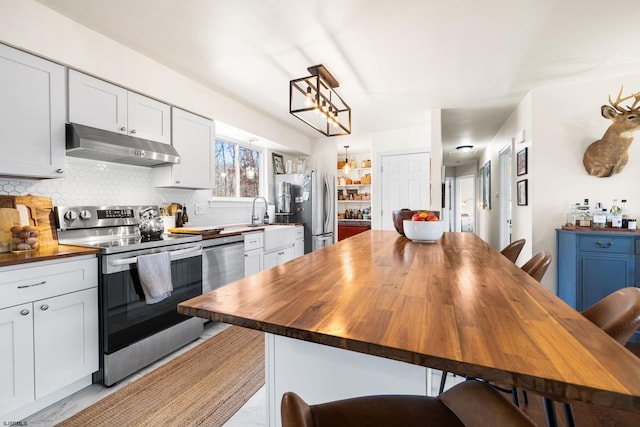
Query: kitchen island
456	305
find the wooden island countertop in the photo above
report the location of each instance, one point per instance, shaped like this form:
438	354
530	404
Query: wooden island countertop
456	305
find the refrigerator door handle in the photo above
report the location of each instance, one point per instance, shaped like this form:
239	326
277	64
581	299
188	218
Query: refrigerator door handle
328	203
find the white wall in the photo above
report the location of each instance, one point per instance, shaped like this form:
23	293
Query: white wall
559	123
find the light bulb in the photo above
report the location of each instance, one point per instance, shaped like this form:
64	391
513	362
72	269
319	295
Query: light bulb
346	168
250	173
309	98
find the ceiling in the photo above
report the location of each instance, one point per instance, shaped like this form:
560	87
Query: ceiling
395	59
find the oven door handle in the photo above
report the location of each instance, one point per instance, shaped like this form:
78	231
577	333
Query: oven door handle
174	254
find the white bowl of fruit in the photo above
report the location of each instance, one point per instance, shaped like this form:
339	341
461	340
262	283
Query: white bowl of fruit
423	227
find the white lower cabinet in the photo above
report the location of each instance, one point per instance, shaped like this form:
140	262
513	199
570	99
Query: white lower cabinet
277	257
253	253
48	333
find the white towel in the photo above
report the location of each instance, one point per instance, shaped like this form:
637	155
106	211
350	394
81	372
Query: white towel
154	272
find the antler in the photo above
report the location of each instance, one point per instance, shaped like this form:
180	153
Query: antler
619	100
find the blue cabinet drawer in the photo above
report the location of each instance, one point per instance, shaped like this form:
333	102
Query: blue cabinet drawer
607	244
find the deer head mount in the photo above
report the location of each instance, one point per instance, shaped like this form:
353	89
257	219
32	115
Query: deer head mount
608	155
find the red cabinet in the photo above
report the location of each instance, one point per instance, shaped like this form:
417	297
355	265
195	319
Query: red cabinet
345	231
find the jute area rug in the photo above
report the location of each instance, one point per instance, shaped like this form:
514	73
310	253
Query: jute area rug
203	387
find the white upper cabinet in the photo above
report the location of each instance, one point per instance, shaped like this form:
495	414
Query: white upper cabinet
32	115
194	139
99	104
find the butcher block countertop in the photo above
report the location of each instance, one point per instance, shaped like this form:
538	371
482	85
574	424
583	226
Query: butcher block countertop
456	305
44	254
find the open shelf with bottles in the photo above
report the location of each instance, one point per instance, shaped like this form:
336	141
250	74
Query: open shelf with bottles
354	192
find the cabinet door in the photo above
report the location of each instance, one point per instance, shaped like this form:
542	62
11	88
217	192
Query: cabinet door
16	357
253	261
96	103
148	118
194	138
66	339
270	260
285	255
602	275
298	248
32	115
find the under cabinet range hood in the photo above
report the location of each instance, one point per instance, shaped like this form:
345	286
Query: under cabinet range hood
97	144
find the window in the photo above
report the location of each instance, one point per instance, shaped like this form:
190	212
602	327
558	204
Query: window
237	170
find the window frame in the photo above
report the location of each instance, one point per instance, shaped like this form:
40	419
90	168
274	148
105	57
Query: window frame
262	171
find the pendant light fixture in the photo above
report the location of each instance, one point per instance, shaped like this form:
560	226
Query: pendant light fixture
346	168
313	100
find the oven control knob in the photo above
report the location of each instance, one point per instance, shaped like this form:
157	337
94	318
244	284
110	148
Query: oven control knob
85	215
70	216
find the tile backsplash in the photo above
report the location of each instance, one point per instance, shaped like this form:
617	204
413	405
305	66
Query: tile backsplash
93	183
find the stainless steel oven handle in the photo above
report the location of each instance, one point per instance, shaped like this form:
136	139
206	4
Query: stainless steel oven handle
173	254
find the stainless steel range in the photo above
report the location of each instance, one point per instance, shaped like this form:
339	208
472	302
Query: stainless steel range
134	332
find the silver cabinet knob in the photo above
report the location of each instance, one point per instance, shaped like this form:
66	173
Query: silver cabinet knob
123	128
133	131
44	307
24	312
59	170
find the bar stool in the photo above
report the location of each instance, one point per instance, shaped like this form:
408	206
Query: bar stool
513	249
471	403
537	265
617	314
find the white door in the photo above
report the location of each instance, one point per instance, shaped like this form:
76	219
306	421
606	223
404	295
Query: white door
405	183
505	197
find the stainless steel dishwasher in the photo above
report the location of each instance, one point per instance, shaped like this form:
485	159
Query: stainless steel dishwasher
222	261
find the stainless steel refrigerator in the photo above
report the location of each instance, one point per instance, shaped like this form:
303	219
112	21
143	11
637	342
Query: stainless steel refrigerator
308	199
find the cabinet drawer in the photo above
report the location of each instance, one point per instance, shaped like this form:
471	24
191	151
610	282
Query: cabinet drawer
608	244
38	282
299	232
253	241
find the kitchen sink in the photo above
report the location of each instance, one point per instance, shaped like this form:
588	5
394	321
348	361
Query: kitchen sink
278	236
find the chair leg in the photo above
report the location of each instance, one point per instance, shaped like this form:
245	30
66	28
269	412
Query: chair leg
443	380
514	394
524	394
550	412
568	415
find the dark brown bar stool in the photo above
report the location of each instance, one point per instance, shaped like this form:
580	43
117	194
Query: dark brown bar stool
513	249
617	314
537	265
471	403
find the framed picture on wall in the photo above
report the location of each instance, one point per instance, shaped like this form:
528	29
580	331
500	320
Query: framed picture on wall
521	160
486	190
278	163
481	183
522	191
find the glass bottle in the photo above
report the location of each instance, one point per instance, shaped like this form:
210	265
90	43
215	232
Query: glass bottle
584	217
572	215
599	219
616	214
623	208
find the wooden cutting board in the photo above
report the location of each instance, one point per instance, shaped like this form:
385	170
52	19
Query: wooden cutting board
40	213
204	231
8	218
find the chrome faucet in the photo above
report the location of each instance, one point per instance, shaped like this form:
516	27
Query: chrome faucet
254	217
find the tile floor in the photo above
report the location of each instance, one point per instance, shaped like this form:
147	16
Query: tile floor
252	414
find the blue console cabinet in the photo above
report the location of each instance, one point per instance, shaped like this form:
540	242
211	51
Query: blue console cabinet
592	264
